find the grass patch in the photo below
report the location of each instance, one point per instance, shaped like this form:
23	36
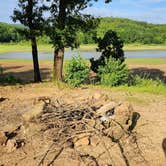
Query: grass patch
144	86
141	47
26	47
149	61
23	47
151	88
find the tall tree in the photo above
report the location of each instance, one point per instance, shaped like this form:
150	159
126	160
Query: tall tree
30	14
66	19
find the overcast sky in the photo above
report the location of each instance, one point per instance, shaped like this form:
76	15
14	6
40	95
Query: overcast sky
153	11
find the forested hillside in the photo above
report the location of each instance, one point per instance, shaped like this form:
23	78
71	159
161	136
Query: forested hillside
130	31
133	31
9	33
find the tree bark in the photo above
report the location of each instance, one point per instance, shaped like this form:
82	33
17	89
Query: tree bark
58	64
37	77
59	52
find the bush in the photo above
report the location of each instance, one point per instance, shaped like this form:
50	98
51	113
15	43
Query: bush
110	46
114	73
9	79
77	71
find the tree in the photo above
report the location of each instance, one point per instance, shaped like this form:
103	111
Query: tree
110	46
30	14
65	21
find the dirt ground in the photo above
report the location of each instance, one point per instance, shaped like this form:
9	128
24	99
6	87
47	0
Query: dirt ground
24	71
150	129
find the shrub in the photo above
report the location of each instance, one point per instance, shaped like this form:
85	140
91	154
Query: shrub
9	79
110	46
77	71
114	73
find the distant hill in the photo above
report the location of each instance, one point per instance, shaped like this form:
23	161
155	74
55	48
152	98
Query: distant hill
17	25
9	33
133	31
130	31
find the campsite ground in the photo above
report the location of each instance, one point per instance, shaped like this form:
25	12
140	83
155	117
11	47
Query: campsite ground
151	106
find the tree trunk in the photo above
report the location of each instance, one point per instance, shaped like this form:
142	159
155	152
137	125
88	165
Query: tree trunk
37	77
58	64
59	52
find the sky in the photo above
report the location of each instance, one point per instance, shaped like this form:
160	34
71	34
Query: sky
153	11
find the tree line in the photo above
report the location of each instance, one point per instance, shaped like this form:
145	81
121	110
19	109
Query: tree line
10	33
128	30
133	31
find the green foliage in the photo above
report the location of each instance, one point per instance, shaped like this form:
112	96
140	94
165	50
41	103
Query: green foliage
144	82
77	71
110	46
133	31
9	79
87	37
9	33
114	73
30	14
128	30
67	20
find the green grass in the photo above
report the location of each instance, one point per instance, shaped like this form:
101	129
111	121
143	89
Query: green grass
131	61
138	46
151	88
146	86
26	47
23	47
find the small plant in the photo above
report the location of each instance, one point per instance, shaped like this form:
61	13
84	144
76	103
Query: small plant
77	71
114	73
9	79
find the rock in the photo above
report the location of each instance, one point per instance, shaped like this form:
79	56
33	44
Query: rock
35	111
11	145
69	144
3	138
123	113
3	99
115	132
107	107
120	121
94	141
98	100
82	140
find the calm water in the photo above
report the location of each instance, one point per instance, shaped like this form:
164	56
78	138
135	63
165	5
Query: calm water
85	54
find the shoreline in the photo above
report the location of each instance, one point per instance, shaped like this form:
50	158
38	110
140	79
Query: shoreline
26	47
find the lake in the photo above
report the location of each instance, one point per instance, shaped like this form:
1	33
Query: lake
85	54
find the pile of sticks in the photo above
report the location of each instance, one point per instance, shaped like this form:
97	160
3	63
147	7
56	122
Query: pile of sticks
66	124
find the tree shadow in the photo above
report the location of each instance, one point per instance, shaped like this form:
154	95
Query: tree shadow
164	146
153	73
11	67
13	77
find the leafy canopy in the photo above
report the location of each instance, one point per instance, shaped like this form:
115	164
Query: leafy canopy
110	46
30	14
66	19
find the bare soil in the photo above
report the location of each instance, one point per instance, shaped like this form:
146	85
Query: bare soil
24	71
36	144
